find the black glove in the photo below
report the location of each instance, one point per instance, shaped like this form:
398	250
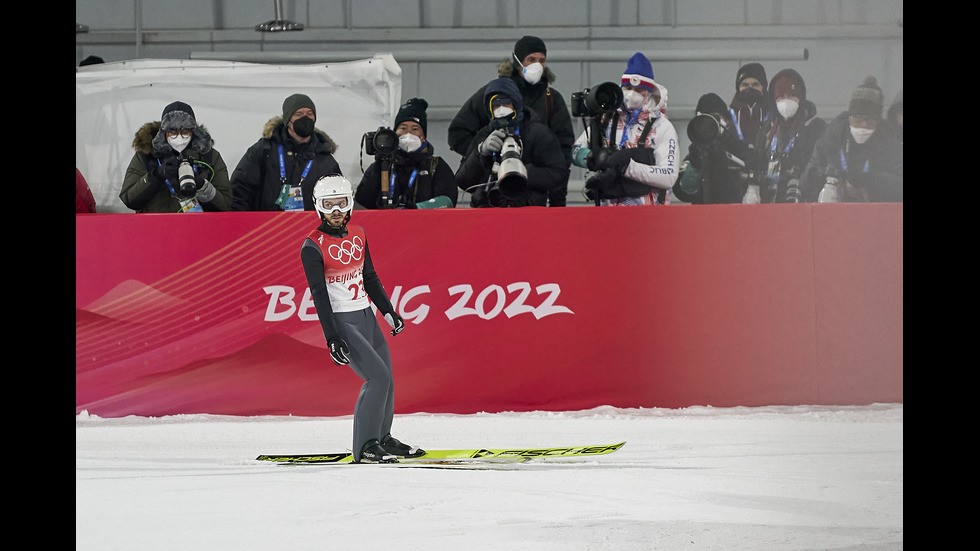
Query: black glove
199	180
601	180
156	175
339	351
396	322
616	161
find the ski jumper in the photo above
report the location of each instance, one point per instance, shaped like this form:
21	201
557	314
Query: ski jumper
342	280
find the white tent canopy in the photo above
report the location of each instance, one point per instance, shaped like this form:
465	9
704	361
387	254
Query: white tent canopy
233	100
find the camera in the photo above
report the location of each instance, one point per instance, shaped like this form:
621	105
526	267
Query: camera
601	98
705	128
185	177
382	141
511	174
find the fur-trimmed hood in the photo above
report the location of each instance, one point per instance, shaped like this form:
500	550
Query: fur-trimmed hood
148	139
269	131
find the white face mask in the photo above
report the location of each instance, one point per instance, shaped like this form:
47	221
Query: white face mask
787	108
502	112
861	135
532	73
409	143
633	99
178	142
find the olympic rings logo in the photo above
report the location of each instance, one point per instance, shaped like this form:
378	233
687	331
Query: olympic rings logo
348	251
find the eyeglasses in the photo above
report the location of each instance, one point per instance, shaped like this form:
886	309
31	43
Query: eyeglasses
181	133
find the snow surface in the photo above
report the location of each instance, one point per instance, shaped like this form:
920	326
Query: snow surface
701	478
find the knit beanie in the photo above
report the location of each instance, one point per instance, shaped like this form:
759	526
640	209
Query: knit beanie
528	45
413	110
639	73
867	99
711	103
753	70
177	116
294	103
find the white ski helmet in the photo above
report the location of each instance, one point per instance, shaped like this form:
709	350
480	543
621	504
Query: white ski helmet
333	186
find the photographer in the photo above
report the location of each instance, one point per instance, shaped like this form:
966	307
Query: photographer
279	170
175	168
636	160
416	178
527	68
859	157
712	171
514	138
789	141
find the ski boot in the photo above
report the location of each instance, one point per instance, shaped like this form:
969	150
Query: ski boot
374	453
395	447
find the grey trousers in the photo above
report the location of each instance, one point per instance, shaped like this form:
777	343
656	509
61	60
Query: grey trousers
371	361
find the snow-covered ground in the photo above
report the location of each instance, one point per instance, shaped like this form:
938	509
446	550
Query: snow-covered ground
701	478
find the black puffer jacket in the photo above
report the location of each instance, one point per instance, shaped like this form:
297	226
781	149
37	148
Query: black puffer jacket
434	178
256	181
541	155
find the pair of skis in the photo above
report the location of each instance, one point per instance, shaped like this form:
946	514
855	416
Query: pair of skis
453	457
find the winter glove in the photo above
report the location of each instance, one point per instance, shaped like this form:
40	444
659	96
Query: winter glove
396	323
493	144
598	182
582	155
156	174
339	351
690	178
206	192
829	192
616	161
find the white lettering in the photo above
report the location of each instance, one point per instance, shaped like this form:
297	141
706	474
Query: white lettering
487	304
279	294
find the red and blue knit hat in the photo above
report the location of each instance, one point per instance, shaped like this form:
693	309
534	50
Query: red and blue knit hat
639	73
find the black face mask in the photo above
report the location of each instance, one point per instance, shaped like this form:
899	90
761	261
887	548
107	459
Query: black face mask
303	127
750	96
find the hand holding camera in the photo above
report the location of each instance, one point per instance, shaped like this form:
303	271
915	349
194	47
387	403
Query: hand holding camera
493	143
613	160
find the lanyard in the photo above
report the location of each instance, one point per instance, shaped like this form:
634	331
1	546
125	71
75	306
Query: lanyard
282	168
284	192
167	180
785	149
843	163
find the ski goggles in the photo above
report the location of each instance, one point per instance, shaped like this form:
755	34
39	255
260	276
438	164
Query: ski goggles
329	204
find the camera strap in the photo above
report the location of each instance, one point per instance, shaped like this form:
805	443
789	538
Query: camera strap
411	183
843	163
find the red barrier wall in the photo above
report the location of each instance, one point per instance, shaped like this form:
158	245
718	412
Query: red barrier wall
507	309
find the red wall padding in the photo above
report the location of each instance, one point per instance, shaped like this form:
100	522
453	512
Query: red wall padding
507	309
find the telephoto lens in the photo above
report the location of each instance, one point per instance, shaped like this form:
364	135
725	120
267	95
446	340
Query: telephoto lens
185	175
